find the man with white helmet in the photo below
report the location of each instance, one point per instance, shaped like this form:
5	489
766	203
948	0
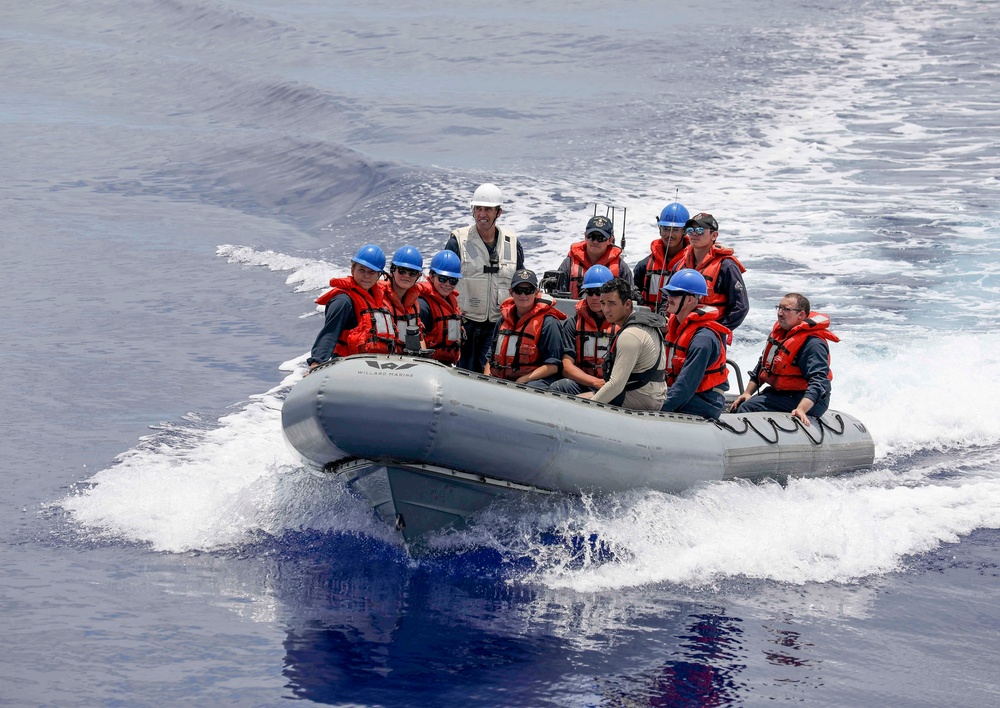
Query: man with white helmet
490	257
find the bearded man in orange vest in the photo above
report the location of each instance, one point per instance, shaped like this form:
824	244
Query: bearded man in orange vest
795	364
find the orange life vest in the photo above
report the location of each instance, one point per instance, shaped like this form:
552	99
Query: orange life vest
445	334
658	271
579	262
404	312
777	364
709	267
375	331
593	340
515	352
679	336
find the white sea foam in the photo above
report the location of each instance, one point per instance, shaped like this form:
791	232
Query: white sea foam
188	488
819	530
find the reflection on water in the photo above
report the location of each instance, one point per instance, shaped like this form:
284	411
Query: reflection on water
703	671
365	623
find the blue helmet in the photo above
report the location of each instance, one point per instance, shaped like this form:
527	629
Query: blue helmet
596	276
447	263
688	281
370	256
673	214
408	257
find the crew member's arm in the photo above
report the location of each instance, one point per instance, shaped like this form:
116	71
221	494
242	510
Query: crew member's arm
489	349
627	349
703	350
570	370
625	273
639	275
339	318
452	245
753	385
730	284
813	361
550	344
424	311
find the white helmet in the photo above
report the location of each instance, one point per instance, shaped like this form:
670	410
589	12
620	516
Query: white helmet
488	195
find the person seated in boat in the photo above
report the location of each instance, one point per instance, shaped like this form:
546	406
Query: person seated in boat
399	293
722	271
490	257
634	367
793	374
597	248
652	271
527	342
697	377
438	305
586	338
357	318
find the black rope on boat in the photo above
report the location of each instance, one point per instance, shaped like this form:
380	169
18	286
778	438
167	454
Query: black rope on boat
777	429
726	426
822	433
840	419
748	426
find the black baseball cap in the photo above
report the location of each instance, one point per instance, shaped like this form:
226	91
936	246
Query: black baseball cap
706	221
524	276
600	225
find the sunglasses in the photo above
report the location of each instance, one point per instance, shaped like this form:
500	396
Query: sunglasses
406	271
782	308
528	290
692	230
444	279
599	237
590	292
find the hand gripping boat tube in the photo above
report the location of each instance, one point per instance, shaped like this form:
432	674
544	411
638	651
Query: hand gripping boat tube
429	445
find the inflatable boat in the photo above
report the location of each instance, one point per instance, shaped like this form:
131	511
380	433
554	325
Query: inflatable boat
428	445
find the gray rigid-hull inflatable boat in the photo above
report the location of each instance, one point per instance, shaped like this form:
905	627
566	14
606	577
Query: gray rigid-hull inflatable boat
429	445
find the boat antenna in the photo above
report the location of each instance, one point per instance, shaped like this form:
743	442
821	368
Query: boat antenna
624	216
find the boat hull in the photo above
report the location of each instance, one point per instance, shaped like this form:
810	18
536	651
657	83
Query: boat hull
447	442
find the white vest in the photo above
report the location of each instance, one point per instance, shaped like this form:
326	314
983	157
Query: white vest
481	291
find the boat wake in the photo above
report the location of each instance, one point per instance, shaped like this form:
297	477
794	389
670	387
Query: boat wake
221	487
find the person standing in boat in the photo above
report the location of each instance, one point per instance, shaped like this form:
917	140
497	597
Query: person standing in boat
357	319
665	252
795	365
633	369
399	293
586	338
697	377
527	341
597	248
438	305
723	273
490	257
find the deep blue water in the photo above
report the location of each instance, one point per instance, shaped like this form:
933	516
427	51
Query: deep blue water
180	178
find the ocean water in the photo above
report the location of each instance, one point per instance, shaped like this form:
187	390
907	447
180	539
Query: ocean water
180	178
